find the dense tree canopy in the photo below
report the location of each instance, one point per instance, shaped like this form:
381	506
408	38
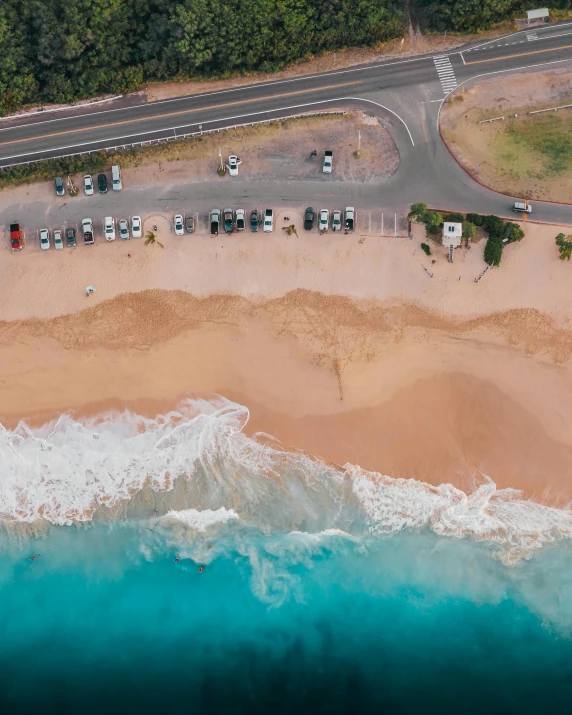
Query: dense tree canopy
60	50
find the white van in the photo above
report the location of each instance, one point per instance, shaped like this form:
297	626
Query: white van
116	178
522	206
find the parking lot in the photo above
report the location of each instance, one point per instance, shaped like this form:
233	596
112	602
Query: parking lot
368	223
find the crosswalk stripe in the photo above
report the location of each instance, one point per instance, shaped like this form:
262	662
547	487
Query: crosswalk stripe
446	73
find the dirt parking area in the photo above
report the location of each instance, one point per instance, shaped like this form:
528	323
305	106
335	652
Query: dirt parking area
527	155
275	150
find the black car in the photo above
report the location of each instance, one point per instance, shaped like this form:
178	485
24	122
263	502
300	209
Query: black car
102	183
254	221
309	217
70	237
60	189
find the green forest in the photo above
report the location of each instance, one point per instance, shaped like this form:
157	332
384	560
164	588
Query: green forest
62	50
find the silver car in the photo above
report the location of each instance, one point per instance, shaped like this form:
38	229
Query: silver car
88	185
44	239
58	240
123	229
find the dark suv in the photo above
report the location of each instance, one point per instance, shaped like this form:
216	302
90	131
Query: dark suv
70	237
309	217
254	220
102	183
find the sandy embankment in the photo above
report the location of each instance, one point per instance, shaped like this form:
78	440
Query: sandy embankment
343	348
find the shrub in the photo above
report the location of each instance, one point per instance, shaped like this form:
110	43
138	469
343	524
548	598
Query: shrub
418	212
468	230
476	219
456	218
513	232
493	251
426	249
434	219
564	246
494	226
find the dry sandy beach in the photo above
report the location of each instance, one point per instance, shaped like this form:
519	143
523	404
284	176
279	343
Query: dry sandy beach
339	346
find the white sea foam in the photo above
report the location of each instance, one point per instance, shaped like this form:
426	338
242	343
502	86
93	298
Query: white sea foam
201	520
66	470
500	516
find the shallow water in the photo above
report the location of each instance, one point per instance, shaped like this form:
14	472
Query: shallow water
322	590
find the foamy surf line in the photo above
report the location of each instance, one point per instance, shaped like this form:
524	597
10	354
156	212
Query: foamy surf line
68	469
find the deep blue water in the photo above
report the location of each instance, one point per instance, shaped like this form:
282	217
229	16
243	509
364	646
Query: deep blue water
105	621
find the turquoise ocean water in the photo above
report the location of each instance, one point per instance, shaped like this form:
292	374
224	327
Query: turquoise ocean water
323	590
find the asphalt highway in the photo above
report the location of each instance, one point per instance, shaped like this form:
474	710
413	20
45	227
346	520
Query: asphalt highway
407	94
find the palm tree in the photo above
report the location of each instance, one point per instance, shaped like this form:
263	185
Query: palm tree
566	252
151	238
290	229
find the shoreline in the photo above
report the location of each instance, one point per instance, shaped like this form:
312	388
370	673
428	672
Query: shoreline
343	349
420	400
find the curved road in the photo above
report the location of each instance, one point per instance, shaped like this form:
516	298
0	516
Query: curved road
407	94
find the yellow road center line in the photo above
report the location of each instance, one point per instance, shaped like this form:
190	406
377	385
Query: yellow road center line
520	54
182	111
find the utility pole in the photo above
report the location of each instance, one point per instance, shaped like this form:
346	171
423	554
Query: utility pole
358	141
220	157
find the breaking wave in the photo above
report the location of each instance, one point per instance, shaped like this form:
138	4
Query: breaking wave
198	466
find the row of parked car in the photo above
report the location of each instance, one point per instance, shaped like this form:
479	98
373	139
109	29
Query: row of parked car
236	220
126	228
88	186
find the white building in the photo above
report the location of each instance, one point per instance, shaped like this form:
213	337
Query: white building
452	235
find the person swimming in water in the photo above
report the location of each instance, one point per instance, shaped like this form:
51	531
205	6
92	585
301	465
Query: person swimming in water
176	558
35	556
201	569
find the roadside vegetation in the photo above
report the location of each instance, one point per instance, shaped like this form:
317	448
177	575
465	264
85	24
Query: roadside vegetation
58	51
499	232
564	244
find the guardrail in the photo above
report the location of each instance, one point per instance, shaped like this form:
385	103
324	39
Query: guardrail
175	138
551	109
494	119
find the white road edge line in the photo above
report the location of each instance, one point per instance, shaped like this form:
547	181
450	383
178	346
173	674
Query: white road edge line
512	34
279	82
209	121
273	83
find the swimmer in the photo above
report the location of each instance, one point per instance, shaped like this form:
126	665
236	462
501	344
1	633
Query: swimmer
35	556
155	510
176	558
201	569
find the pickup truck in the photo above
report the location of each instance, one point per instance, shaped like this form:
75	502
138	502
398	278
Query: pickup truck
328	161
16	237
215	221
268	220
350	218
87	228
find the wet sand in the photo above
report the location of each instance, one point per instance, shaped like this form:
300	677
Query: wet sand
438	380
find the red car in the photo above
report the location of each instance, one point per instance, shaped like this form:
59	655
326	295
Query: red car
16	237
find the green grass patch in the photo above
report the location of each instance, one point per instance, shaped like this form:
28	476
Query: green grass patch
538	146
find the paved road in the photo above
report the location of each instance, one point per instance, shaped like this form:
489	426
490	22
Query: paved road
407	94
